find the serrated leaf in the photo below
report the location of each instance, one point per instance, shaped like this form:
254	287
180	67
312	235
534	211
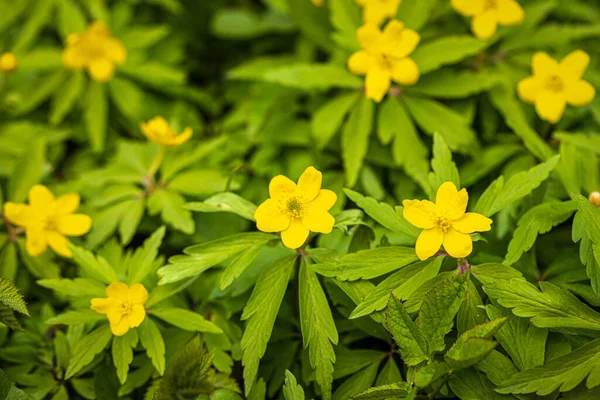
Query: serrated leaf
426	375
170	206
498	195
355	138
550	308
291	389
122	353
153	342
413	345
86	349
444	169
11	297
487	161
432	55
144	257
239	264
261	312
225	202
185	319
396	390
469	352
9	391
471	384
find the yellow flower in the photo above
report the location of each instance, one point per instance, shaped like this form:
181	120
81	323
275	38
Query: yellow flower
488	14
317	3
124	306
554	85
158	131
384	57
595	198
8	62
48	220
445	222
94	50
376	11
294	210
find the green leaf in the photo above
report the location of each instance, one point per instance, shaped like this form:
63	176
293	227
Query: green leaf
76	317
434	117
128	226
28	171
499	195
537	220
383	213
396	390
213	181
144	257
553	35
170	206
368	264
77	287
580	140
429	373
10	296
261	312
473	350
472	384
96	115
70	18
141	37
86	349
446	50
246	24
487	161
185	319
239	264
357	383
413	345
563	373
355	139
415	13
172	166
318	328
8	391
452	84
225	202
550	308
154	344
291	389
94	267
346	18
122	353
590	216
440	305
444	169
203	256
65	97
327	120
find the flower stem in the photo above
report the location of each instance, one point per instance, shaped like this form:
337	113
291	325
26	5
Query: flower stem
157	161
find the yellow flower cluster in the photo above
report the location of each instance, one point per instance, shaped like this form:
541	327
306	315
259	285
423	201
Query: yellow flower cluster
488	14
124	306
94	50
159	131
48	220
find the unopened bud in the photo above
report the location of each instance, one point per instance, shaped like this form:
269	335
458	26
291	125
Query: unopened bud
8	62
595	198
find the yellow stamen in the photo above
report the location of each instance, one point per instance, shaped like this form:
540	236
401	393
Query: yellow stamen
554	83
295	207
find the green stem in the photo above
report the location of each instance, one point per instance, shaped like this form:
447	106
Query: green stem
157	161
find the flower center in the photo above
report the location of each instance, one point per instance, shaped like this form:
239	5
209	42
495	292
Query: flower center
554	83
125	307
442	223
48	222
490	4
295	207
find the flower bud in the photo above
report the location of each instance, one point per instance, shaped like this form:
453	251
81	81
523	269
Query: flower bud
595	198
8	62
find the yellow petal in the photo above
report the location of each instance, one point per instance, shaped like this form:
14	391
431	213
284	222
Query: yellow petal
318	221
295	235
281	187
40	196
324	201
73	59
579	93
158	124
530	88
360	62
68	203
270	218
361	2
510	12
369	37
451	201
115	50
101	69
121	328
118	290
137	315
74	224
573	66
428	243
115	313
17	214
457	244
484	25
469	8
400	42
102	305
377	83
138	294
59	243
419	213
35	241
550	106
309	183
405	72
472	222
543	64
372	13
184	137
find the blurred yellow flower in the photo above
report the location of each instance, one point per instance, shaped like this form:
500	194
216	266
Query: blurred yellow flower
594	198
445	222
295	210
48	220
384	57
158	131
377	11
317	3
94	50
124	306
554	85
8	62
488	14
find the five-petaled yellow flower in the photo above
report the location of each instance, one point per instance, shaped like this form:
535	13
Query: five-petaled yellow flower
488	14
8	62
294	210
554	85
377	11
124	306
158	131
384	57
94	50
48	220
445	222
